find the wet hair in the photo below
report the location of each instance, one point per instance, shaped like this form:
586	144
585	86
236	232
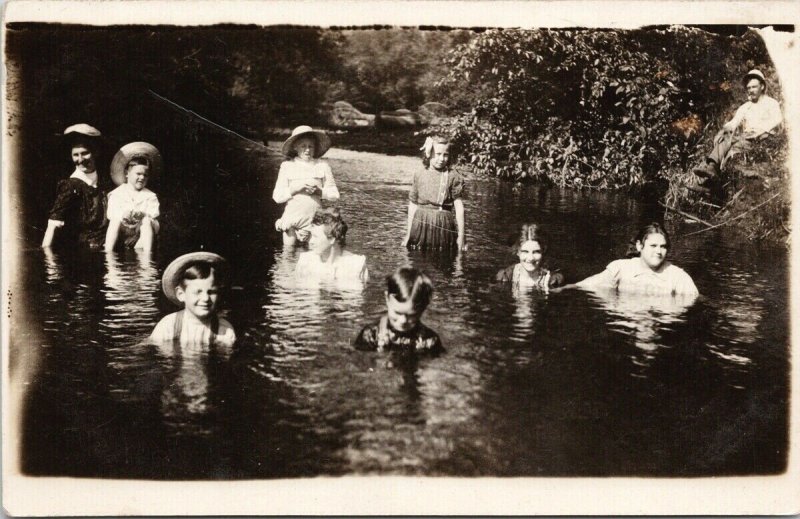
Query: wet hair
203	270
331	220
293	152
138	160
410	284
641	236
530	232
438	139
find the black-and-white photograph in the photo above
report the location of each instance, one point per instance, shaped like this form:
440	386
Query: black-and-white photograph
283	251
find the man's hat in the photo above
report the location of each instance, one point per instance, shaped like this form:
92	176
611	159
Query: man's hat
755	74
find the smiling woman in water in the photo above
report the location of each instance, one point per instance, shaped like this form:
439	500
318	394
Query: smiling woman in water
649	272
79	210
530	247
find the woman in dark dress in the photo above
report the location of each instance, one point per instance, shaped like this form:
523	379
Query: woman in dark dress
80	207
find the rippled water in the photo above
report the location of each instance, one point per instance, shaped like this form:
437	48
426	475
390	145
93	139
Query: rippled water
531	384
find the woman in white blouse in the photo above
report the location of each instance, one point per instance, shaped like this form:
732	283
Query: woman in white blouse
303	182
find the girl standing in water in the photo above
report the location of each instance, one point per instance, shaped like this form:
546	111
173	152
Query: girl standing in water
435	208
649	272
530	271
303	182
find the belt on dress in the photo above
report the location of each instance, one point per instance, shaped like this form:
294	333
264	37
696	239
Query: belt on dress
437	206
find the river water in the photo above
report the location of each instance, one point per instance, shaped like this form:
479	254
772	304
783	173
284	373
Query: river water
564	384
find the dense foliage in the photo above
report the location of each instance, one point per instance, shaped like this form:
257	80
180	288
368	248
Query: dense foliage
578	108
590	108
387	69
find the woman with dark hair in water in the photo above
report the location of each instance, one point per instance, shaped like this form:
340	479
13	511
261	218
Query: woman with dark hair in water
648	272
80	206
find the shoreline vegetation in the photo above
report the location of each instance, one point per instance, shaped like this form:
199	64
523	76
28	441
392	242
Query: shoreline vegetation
630	110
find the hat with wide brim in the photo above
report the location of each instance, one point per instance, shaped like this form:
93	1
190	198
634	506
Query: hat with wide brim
173	274
82	129
323	141
755	74
131	150
82	133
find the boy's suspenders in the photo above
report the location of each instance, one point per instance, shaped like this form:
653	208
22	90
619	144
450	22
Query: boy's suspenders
176	334
214	330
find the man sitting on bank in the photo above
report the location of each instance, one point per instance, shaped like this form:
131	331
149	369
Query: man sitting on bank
758	118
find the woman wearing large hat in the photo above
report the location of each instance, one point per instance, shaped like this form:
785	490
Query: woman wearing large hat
79	211
133	210
303	182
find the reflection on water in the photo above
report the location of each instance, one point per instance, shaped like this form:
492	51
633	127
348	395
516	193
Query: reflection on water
531	383
645	317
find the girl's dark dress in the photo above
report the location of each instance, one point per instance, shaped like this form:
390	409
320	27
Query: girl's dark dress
82	208
434	223
382	337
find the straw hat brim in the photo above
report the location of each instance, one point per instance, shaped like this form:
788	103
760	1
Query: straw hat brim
323	142
130	150
174	271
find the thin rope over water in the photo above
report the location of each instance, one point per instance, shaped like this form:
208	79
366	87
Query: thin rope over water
735	217
194	114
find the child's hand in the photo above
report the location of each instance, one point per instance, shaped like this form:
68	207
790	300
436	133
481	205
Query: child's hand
405	241
461	245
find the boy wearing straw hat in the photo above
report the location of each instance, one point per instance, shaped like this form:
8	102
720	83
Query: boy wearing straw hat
194	281
133	210
757	118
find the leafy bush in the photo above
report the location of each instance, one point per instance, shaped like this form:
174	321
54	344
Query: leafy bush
589	108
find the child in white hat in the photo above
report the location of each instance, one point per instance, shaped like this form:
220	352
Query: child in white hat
133	210
303	182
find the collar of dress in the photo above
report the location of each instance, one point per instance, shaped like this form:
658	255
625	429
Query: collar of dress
640	269
89	179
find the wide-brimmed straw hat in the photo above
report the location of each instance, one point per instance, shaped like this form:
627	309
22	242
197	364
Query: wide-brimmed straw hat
131	150
323	141
755	74
174	272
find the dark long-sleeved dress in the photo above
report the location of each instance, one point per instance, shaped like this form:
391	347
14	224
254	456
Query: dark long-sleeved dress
434	224
82	208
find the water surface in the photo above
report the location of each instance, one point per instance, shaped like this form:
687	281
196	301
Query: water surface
566	384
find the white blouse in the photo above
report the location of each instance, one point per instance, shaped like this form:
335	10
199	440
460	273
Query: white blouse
294	173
